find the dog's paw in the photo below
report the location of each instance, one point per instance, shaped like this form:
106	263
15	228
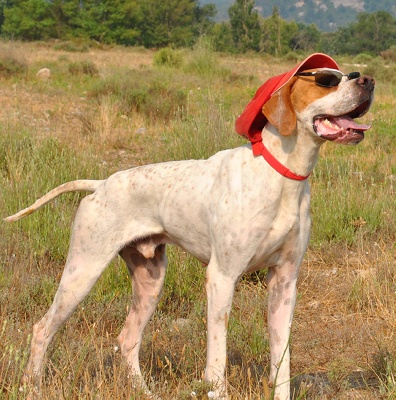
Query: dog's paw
218	395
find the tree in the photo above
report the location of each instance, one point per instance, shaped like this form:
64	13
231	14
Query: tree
203	18
3	5
372	33
306	39
278	34
29	20
222	39
152	23
245	25
108	21
375	32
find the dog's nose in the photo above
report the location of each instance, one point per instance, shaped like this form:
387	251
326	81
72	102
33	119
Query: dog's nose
366	82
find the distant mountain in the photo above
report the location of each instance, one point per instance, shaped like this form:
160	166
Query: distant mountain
327	15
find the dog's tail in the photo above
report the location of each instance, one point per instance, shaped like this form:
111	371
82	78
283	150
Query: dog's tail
73	186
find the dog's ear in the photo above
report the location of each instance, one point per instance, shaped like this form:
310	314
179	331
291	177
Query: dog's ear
279	110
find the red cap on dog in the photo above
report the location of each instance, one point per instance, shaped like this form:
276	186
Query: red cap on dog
252	120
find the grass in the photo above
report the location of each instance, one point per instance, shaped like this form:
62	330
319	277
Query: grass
127	109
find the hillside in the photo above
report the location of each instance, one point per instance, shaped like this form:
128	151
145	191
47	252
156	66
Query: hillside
328	15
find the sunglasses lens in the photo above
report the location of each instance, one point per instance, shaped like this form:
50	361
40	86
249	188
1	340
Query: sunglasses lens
328	78
354	75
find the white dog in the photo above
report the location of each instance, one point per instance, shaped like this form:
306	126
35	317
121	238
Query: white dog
236	212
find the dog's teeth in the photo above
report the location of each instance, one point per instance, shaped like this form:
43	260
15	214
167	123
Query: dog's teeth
329	123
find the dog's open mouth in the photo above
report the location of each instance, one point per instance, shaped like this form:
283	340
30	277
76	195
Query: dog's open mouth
341	129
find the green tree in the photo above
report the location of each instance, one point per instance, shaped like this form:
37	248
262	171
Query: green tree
29	20
306	39
108	21
203	18
3	5
375	32
169	23
372	33
222	39
152	23
245	25
278	35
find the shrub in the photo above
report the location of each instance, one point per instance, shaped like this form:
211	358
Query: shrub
363	58
72	47
148	93
168	57
390	54
291	56
203	61
83	68
11	64
381	72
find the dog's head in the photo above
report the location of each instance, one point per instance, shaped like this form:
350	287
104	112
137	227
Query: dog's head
324	102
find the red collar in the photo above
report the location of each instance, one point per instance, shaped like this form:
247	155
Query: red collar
259	148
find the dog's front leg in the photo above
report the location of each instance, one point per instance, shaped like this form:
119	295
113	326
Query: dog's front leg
220	290
281	300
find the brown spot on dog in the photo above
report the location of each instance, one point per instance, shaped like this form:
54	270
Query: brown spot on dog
290	257
274	335
275	295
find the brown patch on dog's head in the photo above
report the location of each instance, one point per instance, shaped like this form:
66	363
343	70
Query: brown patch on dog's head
279	110
295	95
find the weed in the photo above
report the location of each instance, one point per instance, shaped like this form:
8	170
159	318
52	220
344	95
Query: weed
363	58
384	367
12	63
148	93
382	72
203	61
343	216
182	297
12	358
29	168
390	54
202	132
85	67
72	46
168	57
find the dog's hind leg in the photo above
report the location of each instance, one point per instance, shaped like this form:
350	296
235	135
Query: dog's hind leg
77	280
147	281
88	257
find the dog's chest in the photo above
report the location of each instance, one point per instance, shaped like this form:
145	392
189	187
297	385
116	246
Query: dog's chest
279	230
276	241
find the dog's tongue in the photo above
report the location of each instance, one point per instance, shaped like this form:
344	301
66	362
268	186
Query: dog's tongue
346	122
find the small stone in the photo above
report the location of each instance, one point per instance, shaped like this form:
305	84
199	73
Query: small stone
44	74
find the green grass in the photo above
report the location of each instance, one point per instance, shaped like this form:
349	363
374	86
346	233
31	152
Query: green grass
353	187
29	168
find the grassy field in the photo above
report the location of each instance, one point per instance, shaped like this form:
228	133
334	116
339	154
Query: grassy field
112	108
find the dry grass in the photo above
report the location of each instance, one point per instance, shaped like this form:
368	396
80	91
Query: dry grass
343	337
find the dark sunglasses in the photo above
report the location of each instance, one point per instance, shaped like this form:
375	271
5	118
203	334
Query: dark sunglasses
327	77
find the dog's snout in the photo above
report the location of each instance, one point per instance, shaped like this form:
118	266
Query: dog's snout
367	82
